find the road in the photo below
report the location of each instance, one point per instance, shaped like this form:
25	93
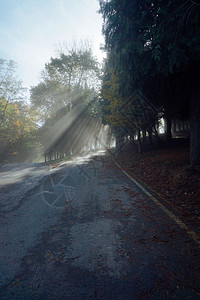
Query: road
84	230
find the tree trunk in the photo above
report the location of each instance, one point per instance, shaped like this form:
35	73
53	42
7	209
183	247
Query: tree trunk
119	142
195	131
139	143
158	140
150	136
144	136
168	128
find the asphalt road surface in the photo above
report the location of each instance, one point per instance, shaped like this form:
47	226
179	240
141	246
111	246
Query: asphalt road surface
84	230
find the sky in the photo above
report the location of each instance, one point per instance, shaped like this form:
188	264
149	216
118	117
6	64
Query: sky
31	31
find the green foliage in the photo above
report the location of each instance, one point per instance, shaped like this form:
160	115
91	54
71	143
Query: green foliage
111	101
64	79
18	130
153	47
150	37
17	120
131	114
67	98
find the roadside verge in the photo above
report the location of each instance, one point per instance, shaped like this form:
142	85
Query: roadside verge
168	212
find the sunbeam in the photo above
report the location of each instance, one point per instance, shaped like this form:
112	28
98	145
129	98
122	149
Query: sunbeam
75	133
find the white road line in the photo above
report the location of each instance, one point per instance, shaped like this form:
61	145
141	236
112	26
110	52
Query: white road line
190	232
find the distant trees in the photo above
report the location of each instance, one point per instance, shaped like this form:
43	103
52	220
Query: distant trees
153	47
17	120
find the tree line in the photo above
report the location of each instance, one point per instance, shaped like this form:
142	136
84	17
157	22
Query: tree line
62	114
153	61
151	71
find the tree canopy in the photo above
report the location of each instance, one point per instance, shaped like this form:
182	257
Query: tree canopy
69	83
153	46
17	120
65	78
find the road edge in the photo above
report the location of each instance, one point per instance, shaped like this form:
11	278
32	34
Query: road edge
193	235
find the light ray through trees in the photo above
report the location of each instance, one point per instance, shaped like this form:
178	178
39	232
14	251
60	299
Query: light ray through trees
74	133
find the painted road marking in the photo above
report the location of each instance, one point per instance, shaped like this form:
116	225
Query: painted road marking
190	232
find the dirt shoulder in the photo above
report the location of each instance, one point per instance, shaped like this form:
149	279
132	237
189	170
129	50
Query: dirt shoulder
166	171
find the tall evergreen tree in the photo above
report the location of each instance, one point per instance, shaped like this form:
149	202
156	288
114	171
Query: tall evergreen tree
155	47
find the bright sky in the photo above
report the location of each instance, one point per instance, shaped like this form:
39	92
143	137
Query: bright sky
30	31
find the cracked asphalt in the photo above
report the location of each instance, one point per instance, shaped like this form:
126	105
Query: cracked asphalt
85	231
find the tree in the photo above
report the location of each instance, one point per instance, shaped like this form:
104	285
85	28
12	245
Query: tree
127	116
17	132
154	46
184	62
64	79
10	87
72	77
17	120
